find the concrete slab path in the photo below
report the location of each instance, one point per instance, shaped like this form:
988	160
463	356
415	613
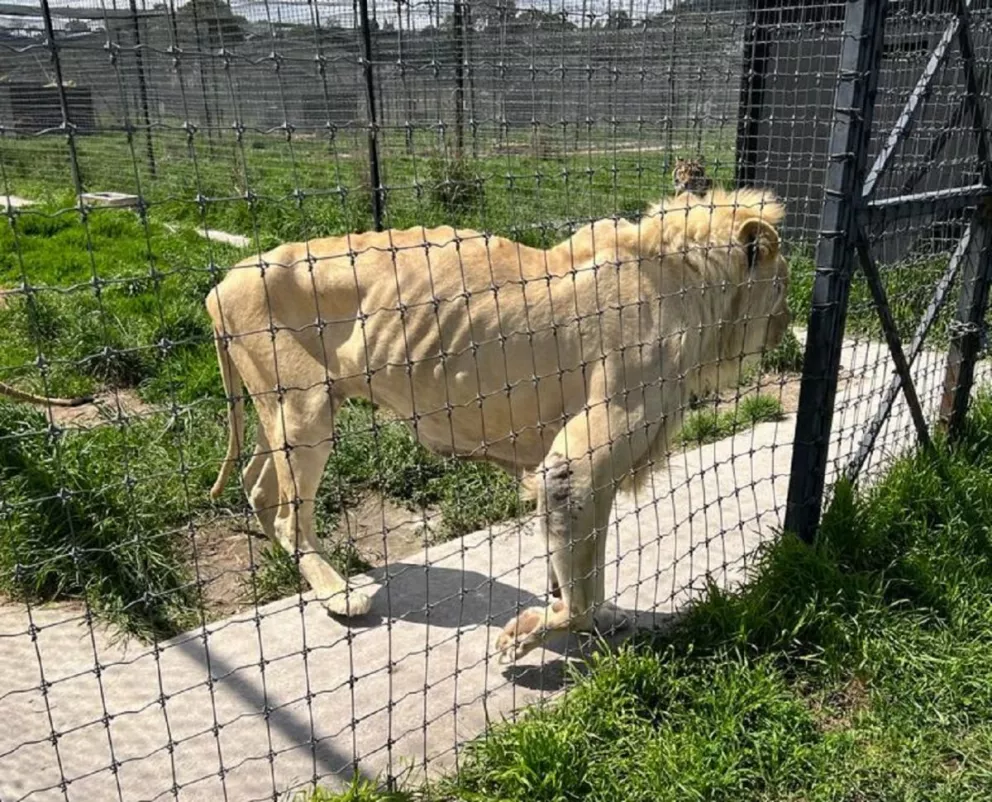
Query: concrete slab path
256	705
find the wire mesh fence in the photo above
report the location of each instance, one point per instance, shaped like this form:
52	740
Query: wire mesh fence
550	391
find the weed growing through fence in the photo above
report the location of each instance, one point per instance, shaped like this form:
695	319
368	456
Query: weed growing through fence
706	426
859	668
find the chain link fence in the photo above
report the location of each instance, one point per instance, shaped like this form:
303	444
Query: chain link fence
444	417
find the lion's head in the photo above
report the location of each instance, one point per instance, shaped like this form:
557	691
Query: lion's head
722	251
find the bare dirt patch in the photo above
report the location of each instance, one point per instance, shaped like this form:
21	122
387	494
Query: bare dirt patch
13	611
380	529
106	407
225	551
838	709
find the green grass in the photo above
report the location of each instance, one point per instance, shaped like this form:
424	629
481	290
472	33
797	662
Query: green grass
281	191
909	288
114	304
374	453
856	669
101	514
707	426
787	357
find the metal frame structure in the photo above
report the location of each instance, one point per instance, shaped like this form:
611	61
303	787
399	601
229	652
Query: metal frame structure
850	206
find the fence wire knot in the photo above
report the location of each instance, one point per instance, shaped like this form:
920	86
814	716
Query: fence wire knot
958	329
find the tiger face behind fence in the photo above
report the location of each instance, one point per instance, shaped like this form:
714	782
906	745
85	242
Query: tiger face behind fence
569	366
689	175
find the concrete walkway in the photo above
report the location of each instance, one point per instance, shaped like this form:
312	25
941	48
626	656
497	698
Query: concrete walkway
268	701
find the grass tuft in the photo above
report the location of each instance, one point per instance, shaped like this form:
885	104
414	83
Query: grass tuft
787	357
454	186
359	790
707	426
277	574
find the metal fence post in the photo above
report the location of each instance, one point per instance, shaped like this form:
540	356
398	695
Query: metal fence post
373	128
757	41
142	88
968	329
473	119
207	122
459	57
864	28
77	179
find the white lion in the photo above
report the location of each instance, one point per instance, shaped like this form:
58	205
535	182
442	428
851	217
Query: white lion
571	366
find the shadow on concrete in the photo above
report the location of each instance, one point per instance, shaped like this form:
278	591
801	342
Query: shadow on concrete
574	651
328	760
441	597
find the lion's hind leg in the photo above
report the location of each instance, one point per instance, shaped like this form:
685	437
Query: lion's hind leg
305	422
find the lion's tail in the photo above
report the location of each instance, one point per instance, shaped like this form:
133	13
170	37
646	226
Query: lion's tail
233	386
31	398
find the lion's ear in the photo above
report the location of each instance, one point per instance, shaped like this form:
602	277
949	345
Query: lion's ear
755	231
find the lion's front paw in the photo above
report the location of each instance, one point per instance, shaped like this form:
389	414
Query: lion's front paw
521	635
530	629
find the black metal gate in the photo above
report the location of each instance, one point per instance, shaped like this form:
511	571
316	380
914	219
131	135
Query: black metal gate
853	212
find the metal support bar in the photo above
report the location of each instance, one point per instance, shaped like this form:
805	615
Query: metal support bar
854	100
139	60
373	127
916	346
920	93
966	336
458	33
870	269
757	46
973	302
925	204
77	180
